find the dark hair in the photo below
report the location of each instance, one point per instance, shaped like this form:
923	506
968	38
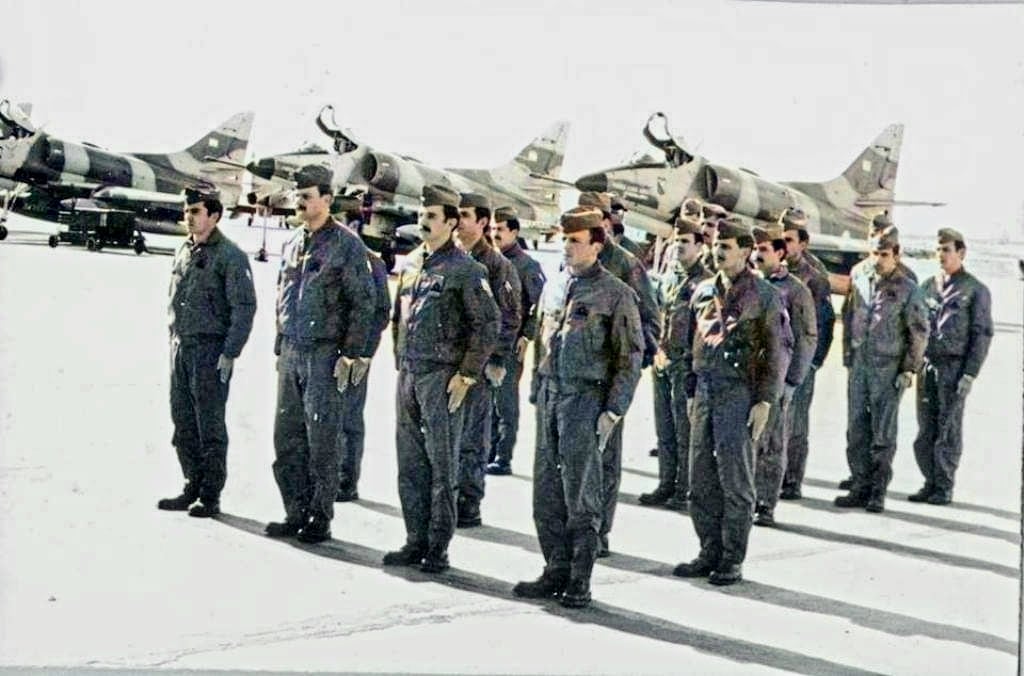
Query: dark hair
598	235
779	244
512	224
802	235
450	212
618	229
213	206
325	189
482	212
959	245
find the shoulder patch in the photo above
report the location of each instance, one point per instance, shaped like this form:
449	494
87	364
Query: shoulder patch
486	287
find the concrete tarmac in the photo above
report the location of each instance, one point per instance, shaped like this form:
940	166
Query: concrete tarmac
93	576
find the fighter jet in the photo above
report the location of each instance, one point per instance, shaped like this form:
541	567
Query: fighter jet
63	181
840	209
390	184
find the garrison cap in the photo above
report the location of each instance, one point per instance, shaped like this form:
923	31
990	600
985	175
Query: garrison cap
313	175
733	229
439	195
762	235
581	218
197	193
881	222
950	235
793	218
502	214
599	200
687	225
712	211
691	207
887	239
474	199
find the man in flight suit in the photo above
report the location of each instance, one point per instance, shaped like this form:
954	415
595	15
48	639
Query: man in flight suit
794	232
627	268
475	441
212	303
505	423
738	363
960	314
586	371
799	307
325	325
885	331
445	327
670	416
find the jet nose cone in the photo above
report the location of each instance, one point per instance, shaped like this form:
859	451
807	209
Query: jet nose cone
263	168
592	183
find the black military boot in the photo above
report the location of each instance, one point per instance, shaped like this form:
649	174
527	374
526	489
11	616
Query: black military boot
653	452
408	555
180	503
852	499
205	509
545	586
469	513
435	561
659	496
499	468
603	548
922	495
726	574
577	593
876	502
317	529
846	484
678	502
346	493
764	516
282	529
790	492
940	497
697	568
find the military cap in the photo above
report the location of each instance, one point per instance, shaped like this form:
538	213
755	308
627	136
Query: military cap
881	221
313	175
730	228
581	218
439	195
711	210
599	200
887	239
793	218
198	193
474	199
691	207
502	214
762	235
950	235
687	225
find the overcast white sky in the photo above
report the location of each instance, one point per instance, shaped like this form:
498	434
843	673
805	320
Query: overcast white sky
790	91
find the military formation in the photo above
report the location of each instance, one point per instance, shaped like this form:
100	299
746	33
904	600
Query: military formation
733	322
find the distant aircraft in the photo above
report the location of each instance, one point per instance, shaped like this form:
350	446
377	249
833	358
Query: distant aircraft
391	184
840	209
61	181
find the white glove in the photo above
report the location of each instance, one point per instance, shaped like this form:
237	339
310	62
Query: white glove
758	419
348	371
224	366
661	361
963	387
494	374
606	422
521	346
458	386
904	380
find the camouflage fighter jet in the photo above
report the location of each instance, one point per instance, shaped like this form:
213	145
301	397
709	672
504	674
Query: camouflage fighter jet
840	209
391	184
56	180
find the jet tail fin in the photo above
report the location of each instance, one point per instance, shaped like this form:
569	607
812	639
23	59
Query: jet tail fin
544	155
229	141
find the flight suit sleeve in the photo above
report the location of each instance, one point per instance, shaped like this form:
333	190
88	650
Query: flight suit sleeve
532	284
847	317
241	296
689	375
771	355
825	316
915	324
357	286
382	300
648	306
483	319
980	330
803	323
507	294
396	320
627	344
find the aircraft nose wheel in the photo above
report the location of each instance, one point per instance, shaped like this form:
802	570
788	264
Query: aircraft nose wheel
139	245
53	241
92	244
3	232
261	255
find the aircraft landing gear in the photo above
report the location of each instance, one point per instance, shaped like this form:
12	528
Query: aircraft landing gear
139	245
93	244
3	232
261	255
53	241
